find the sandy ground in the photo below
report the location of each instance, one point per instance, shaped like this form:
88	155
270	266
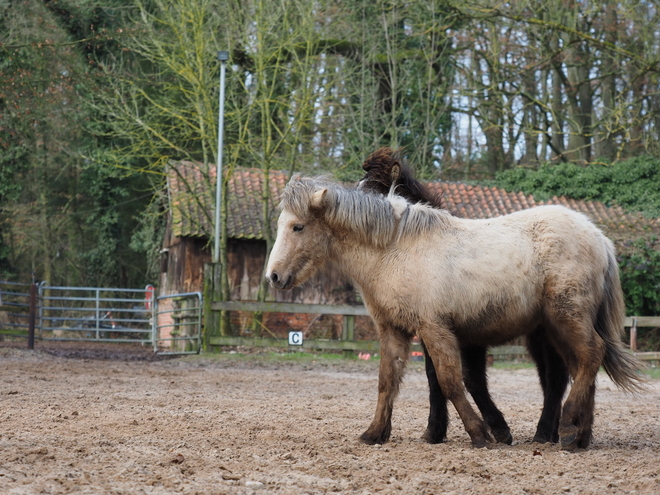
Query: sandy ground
77	422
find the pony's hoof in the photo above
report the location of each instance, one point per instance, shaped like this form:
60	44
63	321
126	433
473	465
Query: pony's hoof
433	437
568	437
372	439
542	438
503	436
480	443
546	435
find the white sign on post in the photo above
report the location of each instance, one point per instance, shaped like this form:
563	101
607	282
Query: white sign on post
295	338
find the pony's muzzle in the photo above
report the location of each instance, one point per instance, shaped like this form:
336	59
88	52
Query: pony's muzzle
278	281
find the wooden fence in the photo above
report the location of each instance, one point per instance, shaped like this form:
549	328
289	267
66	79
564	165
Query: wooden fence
347	342
635	322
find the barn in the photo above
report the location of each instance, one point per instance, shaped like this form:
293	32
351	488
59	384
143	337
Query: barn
187	246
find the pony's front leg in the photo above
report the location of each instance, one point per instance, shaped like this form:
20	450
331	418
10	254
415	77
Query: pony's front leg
444	350
394	351
436	431
476	381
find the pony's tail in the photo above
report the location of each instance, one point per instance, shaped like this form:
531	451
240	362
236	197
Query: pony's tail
621	366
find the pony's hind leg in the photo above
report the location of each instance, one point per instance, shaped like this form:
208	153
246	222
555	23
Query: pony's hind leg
443	348
587	351
394	351
476	381
553	376
436	431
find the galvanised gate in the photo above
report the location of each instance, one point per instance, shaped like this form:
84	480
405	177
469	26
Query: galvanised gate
171	324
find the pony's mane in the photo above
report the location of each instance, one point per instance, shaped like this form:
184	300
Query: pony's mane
375	219
378	167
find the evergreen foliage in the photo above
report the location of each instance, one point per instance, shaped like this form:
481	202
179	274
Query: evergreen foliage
639	262
633	184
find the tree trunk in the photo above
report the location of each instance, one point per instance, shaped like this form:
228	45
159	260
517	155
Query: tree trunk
530	122
605	148
558	144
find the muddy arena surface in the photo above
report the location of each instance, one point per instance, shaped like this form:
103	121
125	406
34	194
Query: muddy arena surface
115	421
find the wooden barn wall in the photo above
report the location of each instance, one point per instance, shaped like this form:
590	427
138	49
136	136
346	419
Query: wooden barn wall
182	270
246	265
183	266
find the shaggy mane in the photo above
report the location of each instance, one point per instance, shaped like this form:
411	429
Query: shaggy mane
375	219
378	167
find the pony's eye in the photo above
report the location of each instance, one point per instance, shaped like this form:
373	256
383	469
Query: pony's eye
298	227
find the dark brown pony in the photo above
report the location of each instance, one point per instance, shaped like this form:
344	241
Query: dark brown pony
385	169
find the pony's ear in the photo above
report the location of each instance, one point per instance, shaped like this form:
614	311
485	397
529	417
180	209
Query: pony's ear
318	198
395	172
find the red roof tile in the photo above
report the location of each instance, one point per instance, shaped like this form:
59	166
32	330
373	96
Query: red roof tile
192	199
190	190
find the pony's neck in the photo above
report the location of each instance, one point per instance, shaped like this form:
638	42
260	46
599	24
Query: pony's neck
357	261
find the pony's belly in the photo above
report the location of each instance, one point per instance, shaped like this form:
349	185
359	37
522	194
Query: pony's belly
496	332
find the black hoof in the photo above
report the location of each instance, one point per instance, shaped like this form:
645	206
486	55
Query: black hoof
433	437
482	439
542	435
503	436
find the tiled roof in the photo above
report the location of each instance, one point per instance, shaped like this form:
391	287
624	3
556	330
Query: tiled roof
483	202
190	189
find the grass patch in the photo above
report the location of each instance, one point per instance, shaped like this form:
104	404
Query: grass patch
261	355
653	372
513	365
271	356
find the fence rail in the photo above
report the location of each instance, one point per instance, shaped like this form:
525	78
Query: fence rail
277	307
347	342
15	309
179	324
111	311
98	314
634	322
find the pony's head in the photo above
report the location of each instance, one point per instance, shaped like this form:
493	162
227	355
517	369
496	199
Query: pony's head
302	241
382	169
386	170
320	219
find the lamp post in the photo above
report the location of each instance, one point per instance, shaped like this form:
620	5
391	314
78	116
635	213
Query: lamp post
223	57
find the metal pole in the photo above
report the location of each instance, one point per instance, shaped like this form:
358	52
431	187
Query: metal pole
223	57
98	315
33	315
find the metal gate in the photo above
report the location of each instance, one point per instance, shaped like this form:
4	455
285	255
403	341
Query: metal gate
171	324
96	314
14	309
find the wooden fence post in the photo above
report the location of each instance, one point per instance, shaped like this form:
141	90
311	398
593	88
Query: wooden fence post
212	292
348	331
633	335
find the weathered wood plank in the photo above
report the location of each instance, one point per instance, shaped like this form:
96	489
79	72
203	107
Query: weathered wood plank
340	345
275	307
648	356
643	321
